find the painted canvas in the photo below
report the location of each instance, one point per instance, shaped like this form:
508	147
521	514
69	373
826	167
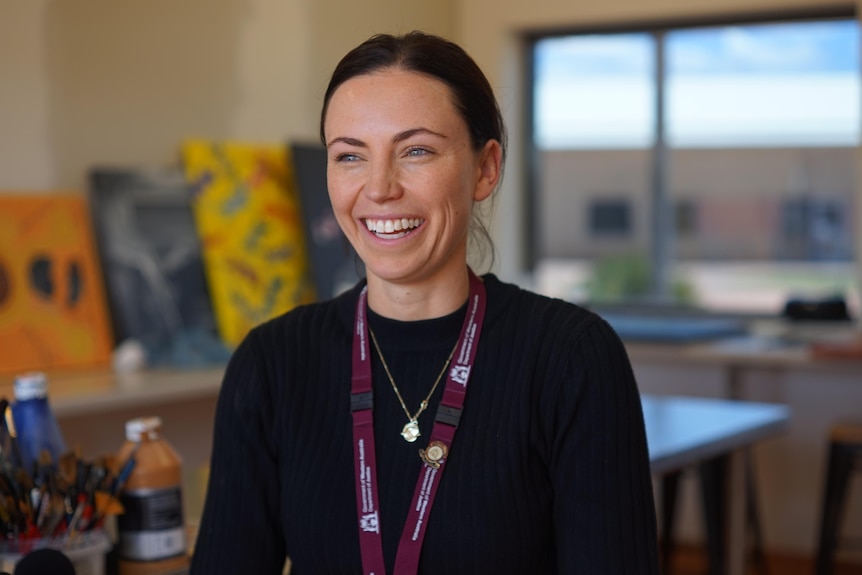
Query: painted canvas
151	259
53	312
334	264
247	215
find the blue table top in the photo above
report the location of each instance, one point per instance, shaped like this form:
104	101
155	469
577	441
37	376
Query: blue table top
682	431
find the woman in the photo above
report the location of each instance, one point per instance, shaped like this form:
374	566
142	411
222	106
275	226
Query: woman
426	421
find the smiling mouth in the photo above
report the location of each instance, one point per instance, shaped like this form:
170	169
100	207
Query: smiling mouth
393	229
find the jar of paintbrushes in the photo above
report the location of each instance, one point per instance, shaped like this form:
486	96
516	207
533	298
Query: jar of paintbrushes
50	496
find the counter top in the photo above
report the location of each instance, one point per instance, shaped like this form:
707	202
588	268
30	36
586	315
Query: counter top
86	392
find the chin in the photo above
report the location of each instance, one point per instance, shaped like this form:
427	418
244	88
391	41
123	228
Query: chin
393	274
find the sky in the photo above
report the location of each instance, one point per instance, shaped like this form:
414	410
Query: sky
785	84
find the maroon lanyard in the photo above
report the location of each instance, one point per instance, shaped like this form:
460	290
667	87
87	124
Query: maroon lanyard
434	455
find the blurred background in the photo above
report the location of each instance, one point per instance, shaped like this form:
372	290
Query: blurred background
664	155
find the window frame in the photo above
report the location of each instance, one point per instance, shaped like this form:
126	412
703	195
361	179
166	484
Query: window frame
662	232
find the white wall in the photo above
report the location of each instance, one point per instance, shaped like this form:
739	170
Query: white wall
98	82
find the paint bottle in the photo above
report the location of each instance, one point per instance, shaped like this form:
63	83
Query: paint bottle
152	536
35	426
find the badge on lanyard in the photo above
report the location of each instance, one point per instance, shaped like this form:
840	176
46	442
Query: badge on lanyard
433	456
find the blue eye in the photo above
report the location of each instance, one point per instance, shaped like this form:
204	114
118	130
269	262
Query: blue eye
346	158
417	152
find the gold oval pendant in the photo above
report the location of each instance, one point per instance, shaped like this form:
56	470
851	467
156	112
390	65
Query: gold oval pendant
410	431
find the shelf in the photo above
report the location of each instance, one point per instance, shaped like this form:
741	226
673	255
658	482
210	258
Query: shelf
80	393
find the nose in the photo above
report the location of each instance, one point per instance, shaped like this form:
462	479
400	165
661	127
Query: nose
383	182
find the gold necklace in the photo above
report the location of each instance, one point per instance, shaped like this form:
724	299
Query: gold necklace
410	431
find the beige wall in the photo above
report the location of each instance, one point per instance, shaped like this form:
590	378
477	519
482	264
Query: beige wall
24	141
99	82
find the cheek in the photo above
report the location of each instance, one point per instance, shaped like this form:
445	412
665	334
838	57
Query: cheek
459	188
338	195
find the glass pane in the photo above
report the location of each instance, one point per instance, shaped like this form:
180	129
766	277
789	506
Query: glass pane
763	123
594	91
594	126
787	84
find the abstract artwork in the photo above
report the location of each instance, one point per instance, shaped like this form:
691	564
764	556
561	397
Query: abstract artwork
248	218
151	259
53	312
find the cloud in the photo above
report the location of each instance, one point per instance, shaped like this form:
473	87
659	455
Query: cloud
769	48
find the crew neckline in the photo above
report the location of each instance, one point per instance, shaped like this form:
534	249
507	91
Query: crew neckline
424	333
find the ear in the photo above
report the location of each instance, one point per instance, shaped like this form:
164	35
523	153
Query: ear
489	170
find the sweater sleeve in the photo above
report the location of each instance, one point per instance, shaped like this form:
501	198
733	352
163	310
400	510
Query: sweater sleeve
604	510
240	530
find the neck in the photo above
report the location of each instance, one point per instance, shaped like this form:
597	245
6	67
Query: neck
418	302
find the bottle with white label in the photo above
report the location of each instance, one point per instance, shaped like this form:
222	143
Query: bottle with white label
152	537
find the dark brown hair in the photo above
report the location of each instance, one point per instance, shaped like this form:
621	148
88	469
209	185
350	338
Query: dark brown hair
437	58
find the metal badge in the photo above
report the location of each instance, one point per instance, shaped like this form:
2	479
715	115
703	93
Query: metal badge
434	454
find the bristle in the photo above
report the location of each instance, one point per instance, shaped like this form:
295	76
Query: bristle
68	466
23	478
45	458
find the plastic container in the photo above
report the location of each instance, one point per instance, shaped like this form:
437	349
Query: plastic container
86	551
151	531
35	425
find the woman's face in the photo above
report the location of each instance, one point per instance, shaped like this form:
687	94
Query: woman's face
403	175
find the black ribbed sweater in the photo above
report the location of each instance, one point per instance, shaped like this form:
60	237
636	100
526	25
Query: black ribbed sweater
548	471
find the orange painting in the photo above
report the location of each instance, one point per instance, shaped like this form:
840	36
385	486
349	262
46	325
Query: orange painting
53	312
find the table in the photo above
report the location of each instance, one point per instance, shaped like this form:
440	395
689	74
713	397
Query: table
770	359
735	355
685	431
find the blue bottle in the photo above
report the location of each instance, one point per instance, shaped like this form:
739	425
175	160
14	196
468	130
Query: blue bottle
35	425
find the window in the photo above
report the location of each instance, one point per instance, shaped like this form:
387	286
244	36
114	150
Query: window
734	146
610	218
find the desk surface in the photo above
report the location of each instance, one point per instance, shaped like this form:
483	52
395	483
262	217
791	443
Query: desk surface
684	430
89	392
744	351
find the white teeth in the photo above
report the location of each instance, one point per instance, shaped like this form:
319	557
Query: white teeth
392	226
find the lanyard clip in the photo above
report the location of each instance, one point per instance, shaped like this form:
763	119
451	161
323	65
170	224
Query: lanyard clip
448	415
360	401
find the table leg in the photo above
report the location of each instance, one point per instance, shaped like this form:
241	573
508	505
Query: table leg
736	513
734	377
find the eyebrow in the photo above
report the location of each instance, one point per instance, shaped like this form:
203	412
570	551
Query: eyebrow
400	137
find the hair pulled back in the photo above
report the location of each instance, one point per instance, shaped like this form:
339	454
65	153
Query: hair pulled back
442	60
435	57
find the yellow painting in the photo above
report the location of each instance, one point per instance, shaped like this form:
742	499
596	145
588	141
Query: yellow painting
53	311
247	214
